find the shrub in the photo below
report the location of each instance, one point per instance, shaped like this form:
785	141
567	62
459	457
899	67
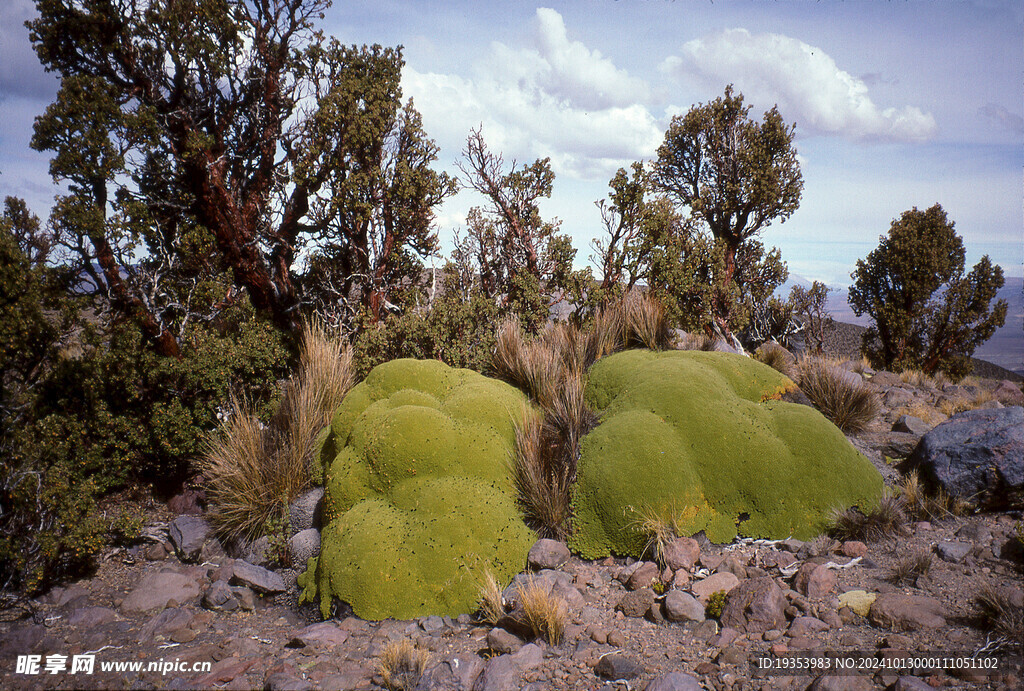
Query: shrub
420	498
543	612
704	430
850	406
716	603
254	470
401	665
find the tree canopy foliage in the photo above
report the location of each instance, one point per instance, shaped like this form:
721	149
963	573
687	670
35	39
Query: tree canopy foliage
736	176
927	313
230	137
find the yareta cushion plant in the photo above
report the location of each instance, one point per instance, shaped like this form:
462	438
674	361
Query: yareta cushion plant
419	500
699	439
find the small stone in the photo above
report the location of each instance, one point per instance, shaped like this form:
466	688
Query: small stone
90	617
258	578
156	552
303	546
772	635
616	639
806	626
185	635
305	512
617	666
246	597
912	425
188	535
503	642
853	549
733	565
599	636
954	552
644	576
636	603
731	656
906	612
674	681
681	553
548	554
220	597
325	633
680	606
815	580
755	606
159	590
704	589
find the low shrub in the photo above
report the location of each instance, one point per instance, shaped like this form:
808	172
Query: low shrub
888	520
850	406
716	603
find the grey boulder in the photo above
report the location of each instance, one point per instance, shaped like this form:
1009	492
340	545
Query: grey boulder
188	535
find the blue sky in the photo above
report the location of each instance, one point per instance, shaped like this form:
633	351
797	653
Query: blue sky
897	104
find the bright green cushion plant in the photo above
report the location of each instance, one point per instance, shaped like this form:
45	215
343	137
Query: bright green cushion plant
419	497
700	441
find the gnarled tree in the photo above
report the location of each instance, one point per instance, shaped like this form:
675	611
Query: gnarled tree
927	313
733	173
229	136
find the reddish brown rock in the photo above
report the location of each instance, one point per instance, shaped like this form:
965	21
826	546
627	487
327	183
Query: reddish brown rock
754	606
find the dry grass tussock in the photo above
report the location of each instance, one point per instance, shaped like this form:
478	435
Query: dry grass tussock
543	479
659	527
544	613
491	602
776	357
253	470
848	404
1001	615
924	412
402	665
952	406
928	506
887	520
910	567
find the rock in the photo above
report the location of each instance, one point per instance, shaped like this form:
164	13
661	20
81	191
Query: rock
188	535
977	455
617	666
547	554
911	425
283	681
844	682
806	626
896	397
246	598
455	674
680	606
704	589
906	612
815	581
303	546
733	565
954	552
223	672
191	501
853	549
87	618
158	590
755	606
323	634
220	597
731	655
258	551
258	578
636	603
908	683
166	623
503	642
504	671
681	553
976	532
156	552
644	576
674	681
886	380
304	512
792	546
899	444
1009	393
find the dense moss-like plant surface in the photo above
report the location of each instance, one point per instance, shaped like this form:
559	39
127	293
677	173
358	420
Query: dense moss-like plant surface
419	496
698	439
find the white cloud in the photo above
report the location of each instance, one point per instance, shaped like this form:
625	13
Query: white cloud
803	80
557	99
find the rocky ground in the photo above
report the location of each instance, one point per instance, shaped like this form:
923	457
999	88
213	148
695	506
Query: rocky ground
178	598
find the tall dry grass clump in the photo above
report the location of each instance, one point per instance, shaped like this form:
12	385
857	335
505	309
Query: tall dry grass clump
253	470
1001	613
776	357
647	323
402	665
543	612
888	519
848	404
491	601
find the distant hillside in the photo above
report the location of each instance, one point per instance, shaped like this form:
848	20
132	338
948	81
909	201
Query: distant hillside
1005	348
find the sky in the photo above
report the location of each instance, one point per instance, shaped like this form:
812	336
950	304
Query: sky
896	103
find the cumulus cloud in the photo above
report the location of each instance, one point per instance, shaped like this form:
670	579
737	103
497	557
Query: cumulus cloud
556	98
803	80
1010	121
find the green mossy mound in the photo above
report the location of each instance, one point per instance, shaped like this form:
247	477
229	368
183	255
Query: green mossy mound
419	499
698	439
